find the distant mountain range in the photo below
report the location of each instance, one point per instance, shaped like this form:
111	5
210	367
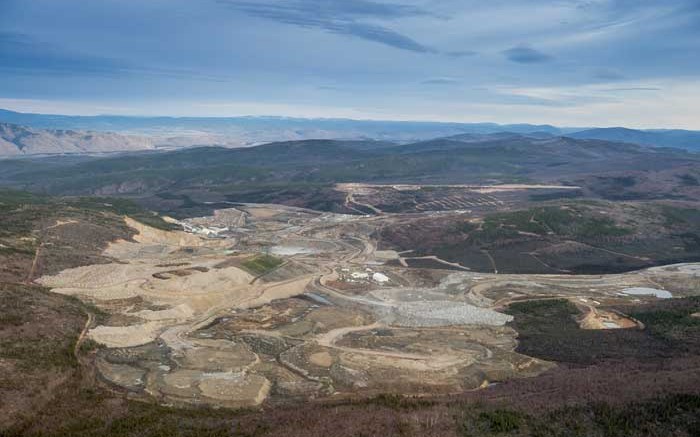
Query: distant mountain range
257	130
106	133
18	140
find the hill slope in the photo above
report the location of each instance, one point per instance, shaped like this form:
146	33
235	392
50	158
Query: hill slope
305	171
684	139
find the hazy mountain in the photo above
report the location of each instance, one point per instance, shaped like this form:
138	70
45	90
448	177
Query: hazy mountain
658	138
178	132
20	141
256	130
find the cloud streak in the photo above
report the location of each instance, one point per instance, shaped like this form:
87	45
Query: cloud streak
440	81
20	52
24	54
347	17
525	55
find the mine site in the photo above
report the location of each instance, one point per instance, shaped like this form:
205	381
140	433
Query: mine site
268	304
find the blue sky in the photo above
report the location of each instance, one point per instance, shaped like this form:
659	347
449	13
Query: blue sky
564	62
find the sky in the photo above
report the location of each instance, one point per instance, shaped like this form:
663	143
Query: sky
633	63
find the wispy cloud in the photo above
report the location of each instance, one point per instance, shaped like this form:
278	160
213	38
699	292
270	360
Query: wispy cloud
556	96
347	17
525	55
639	88
440	81
20	52
24	54
461	53
608	75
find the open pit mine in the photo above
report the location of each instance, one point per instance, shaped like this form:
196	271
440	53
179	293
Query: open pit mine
266	303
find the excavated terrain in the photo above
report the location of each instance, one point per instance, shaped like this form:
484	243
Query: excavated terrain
267	303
